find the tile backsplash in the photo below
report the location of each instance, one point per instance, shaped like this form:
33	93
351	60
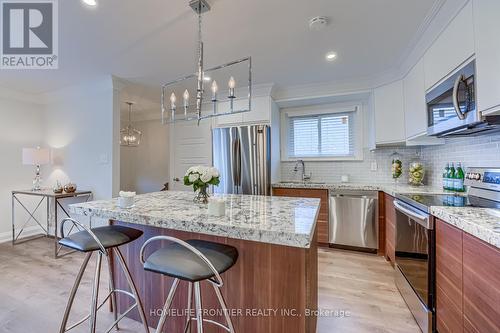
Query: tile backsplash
471	151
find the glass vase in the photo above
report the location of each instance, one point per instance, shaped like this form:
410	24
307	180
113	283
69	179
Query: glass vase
416	171
202	195
396	166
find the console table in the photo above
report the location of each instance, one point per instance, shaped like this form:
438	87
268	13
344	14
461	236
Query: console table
43	195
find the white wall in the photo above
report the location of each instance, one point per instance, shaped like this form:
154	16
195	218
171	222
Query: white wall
146	168
21	125
81	133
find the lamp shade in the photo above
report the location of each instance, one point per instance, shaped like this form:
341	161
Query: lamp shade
35	156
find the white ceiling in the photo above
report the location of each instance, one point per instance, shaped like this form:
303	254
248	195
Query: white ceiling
154	41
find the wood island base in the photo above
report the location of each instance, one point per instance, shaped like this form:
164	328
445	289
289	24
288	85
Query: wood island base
272	288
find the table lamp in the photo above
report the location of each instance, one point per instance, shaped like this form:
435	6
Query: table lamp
37	157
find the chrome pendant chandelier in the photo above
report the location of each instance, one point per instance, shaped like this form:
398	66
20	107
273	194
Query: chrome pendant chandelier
238	99
129	136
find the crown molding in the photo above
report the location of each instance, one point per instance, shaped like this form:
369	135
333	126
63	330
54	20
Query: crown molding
335	88
421	31
436	21
355	96
118	83
265	89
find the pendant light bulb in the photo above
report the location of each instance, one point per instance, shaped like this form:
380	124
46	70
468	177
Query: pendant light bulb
232	83
172	100
186	97
215	88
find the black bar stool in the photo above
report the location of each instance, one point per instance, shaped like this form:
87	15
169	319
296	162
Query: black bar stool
193	261
104	241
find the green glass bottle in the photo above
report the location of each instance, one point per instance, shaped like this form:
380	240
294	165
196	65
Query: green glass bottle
451	177
459	179
445	176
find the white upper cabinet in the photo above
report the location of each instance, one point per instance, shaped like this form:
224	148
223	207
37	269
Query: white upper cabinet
260	114
453	47
487	33
414	102
261	111
389	114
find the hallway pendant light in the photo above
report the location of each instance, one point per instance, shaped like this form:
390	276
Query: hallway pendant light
234	73
129	136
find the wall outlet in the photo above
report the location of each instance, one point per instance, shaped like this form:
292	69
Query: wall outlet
373	166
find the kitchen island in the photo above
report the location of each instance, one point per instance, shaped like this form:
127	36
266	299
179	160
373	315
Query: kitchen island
272	287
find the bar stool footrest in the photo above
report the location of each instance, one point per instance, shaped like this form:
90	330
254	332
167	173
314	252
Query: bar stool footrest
81	321
213	322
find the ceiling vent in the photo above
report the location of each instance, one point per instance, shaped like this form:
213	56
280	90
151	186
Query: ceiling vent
318	23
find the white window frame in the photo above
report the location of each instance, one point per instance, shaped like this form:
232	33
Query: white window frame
319	110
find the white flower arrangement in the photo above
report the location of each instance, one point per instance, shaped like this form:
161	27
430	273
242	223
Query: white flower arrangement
201	176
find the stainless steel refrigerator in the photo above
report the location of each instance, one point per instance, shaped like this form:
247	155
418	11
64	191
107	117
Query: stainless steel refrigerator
243	156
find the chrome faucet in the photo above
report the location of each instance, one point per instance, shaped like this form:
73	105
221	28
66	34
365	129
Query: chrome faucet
304	176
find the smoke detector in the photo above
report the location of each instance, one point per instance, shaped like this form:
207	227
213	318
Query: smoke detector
318	23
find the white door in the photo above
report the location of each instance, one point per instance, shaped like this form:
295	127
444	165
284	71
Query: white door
190	145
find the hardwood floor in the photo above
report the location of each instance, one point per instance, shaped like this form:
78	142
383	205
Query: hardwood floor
34	289
362	285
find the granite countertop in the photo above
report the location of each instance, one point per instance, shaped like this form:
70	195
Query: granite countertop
389	188
482	223
274	220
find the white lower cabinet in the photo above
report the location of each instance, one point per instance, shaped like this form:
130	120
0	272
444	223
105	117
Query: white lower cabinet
389	114
487	29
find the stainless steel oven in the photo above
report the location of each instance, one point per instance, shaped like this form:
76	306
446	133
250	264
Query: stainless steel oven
415	261
451	107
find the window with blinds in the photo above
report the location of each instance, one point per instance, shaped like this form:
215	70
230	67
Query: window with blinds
323	135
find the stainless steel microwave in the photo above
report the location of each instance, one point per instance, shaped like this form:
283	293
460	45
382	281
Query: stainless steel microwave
451	107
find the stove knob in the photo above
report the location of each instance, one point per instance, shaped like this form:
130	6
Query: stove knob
478	176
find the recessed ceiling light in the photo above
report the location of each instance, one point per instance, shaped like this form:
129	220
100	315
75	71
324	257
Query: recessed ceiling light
330	56
207	78
92	3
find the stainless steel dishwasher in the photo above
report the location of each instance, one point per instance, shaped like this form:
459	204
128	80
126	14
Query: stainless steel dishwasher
354	219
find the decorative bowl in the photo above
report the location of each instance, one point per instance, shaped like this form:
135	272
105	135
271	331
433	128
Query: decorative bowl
70	188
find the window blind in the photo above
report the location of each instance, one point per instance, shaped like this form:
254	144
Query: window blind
324	135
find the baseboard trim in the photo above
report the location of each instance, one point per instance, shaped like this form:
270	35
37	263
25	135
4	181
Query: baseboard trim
28	232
